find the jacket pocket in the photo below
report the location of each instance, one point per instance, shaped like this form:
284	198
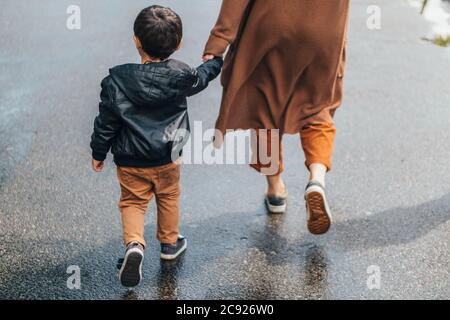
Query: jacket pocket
121	146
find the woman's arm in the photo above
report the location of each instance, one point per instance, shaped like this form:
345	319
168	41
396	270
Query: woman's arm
227	26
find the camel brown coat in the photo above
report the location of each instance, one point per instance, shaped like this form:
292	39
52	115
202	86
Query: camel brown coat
285	65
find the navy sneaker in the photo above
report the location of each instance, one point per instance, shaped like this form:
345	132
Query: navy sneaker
319	213
130	273
172	251
276	204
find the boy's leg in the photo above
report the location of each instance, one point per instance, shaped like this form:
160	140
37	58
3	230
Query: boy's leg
167	193
136	193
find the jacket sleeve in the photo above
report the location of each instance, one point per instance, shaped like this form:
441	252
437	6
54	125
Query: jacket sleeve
106	126
227	26
204	74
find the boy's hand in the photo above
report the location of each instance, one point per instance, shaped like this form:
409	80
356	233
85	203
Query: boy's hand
207	57
97	166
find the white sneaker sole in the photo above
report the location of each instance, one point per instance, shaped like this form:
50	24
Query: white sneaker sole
275	209
319	214
130	274
176	255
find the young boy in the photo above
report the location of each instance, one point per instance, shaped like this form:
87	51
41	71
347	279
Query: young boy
142	109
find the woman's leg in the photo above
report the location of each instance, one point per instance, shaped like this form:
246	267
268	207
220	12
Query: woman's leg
268	160
318	172
318	145
317	142
275	185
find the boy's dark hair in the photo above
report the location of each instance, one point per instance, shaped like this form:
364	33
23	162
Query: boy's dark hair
160	31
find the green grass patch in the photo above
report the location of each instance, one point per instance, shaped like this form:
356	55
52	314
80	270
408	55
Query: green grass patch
442	41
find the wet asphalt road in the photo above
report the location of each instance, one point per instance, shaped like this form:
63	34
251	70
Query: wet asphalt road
390	189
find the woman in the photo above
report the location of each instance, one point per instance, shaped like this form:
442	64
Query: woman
283	72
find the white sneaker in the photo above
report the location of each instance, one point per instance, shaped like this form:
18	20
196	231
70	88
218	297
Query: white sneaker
319	213
130	273
276	204
171	252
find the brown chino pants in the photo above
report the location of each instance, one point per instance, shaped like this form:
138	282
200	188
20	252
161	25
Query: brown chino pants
138	186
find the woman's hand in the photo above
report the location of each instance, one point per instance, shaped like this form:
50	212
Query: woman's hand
207	57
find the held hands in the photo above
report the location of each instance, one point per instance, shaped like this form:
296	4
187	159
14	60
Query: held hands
97	166
207	57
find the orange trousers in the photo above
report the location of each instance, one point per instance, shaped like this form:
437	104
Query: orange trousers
317	143
138	186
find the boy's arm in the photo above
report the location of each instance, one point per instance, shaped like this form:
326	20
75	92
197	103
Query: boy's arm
106	126
205	73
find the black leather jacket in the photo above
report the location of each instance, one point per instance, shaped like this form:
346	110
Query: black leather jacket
142	109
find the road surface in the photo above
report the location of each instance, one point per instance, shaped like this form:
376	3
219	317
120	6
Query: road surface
389	191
